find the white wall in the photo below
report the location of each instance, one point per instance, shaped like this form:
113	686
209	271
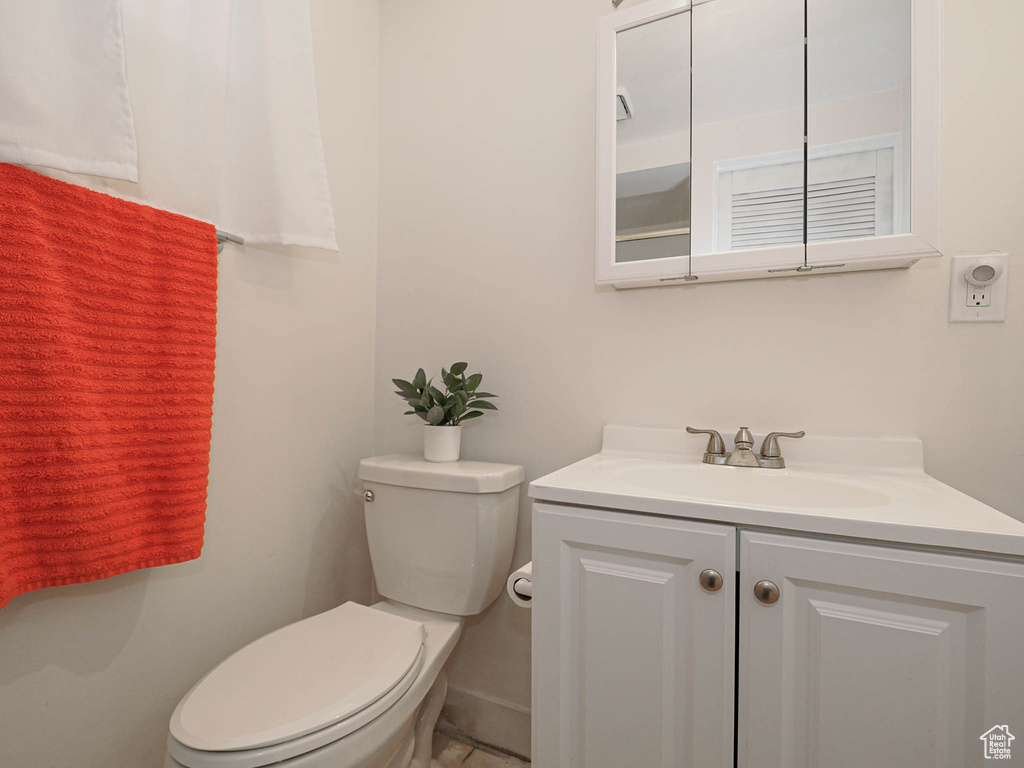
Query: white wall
89	674
487	255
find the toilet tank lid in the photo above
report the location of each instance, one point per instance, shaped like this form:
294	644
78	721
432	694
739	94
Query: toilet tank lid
455	476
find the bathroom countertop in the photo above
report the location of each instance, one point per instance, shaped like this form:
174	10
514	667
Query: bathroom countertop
862	488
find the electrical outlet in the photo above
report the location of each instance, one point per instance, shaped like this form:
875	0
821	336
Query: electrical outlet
977	288
978	297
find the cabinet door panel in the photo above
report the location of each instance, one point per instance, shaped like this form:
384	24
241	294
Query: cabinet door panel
633	662
875	656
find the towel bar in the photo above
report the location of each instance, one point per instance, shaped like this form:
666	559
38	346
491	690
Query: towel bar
227	237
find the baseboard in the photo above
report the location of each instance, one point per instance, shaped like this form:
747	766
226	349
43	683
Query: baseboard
488	720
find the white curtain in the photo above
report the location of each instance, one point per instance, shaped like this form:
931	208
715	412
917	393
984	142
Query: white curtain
225	111
63	93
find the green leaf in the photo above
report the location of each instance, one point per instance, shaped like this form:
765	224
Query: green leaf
436	394
472	415
459	368
405	386
435	415
474	381
483	394
420	380
484	405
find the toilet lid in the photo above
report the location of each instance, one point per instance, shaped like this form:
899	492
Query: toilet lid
299	679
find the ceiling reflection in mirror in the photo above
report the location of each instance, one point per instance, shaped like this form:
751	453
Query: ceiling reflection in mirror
859	98
652	190
748	125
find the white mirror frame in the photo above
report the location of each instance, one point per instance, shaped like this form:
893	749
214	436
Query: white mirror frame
853	255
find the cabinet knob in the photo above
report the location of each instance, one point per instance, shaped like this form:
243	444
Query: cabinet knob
766	592
711	579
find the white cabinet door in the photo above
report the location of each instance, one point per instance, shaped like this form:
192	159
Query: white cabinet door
875	656
633	661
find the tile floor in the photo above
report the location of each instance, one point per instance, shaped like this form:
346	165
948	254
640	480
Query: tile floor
451	753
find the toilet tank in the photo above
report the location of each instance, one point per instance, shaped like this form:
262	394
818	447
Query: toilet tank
441	535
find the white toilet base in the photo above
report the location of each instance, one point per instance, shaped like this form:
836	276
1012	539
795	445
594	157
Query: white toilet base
427	720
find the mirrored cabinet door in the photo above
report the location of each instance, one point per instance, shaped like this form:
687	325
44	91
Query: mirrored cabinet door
872	113
748	133
652	142
859	118
644	135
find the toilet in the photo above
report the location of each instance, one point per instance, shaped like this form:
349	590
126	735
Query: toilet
362	686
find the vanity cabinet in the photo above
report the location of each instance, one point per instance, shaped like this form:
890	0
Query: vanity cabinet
870	655
875	656
633	660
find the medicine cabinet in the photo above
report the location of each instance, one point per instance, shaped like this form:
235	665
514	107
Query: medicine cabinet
743	139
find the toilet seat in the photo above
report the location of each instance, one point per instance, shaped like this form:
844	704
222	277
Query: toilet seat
258	758
298	688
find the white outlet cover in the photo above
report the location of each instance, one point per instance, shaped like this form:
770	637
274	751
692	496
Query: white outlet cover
959	310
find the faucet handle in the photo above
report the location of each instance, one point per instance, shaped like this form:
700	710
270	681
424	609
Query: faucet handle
770	446
716	447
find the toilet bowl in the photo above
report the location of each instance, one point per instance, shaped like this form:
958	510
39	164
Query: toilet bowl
362	686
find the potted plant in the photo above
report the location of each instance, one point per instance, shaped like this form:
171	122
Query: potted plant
445	411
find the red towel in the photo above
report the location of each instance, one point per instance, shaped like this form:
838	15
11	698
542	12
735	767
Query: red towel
108	314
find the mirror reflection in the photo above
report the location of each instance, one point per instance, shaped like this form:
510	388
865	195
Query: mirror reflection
748	124
858	94
652	189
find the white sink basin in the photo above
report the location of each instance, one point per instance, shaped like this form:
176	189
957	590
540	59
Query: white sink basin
740	486
870	488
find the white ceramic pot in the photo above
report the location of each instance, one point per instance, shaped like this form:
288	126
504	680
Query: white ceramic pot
442	443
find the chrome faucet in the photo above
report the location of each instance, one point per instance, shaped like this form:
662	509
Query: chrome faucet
743	455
